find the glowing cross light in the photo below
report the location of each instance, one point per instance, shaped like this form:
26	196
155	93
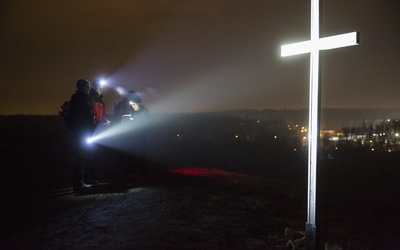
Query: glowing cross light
327	43
313	47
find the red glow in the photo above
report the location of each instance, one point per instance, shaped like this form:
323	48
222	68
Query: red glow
201	172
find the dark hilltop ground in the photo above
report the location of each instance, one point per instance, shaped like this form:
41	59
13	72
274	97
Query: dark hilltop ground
188	203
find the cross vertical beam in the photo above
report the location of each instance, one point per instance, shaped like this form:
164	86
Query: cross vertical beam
313	47
313	130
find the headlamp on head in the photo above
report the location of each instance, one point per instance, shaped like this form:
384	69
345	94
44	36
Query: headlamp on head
99	84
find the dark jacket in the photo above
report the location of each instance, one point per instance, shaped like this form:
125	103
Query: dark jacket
82	114
122	108
136	125
140	114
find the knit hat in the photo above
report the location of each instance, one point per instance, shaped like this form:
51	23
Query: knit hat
82	82
96	84
134	96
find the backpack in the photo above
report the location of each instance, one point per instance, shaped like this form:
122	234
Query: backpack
66	114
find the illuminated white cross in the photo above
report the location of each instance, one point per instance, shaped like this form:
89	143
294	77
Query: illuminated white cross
313	47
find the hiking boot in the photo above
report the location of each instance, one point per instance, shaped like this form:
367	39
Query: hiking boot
91	181
82	188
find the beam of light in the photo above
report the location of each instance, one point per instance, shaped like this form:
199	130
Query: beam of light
202	88
105	136
327	43
121	91
115	135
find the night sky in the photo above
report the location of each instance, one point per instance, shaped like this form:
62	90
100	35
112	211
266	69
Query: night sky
195	56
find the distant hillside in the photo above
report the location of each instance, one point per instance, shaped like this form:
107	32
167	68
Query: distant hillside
330	118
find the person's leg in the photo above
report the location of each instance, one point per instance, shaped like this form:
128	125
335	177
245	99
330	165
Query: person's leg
143	167
89	173
80	161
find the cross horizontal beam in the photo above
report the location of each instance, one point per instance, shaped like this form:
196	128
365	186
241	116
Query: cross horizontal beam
326	43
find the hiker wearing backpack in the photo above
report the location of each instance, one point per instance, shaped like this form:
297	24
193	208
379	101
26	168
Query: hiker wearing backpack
82	123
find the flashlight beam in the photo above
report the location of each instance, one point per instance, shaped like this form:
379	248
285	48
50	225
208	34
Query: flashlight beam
110	136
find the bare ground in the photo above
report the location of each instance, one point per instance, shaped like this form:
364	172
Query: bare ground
185	208
193	209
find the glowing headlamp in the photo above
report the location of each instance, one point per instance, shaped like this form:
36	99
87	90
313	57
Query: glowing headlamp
103	83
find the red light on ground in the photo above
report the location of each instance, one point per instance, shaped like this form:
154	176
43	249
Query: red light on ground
201	172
